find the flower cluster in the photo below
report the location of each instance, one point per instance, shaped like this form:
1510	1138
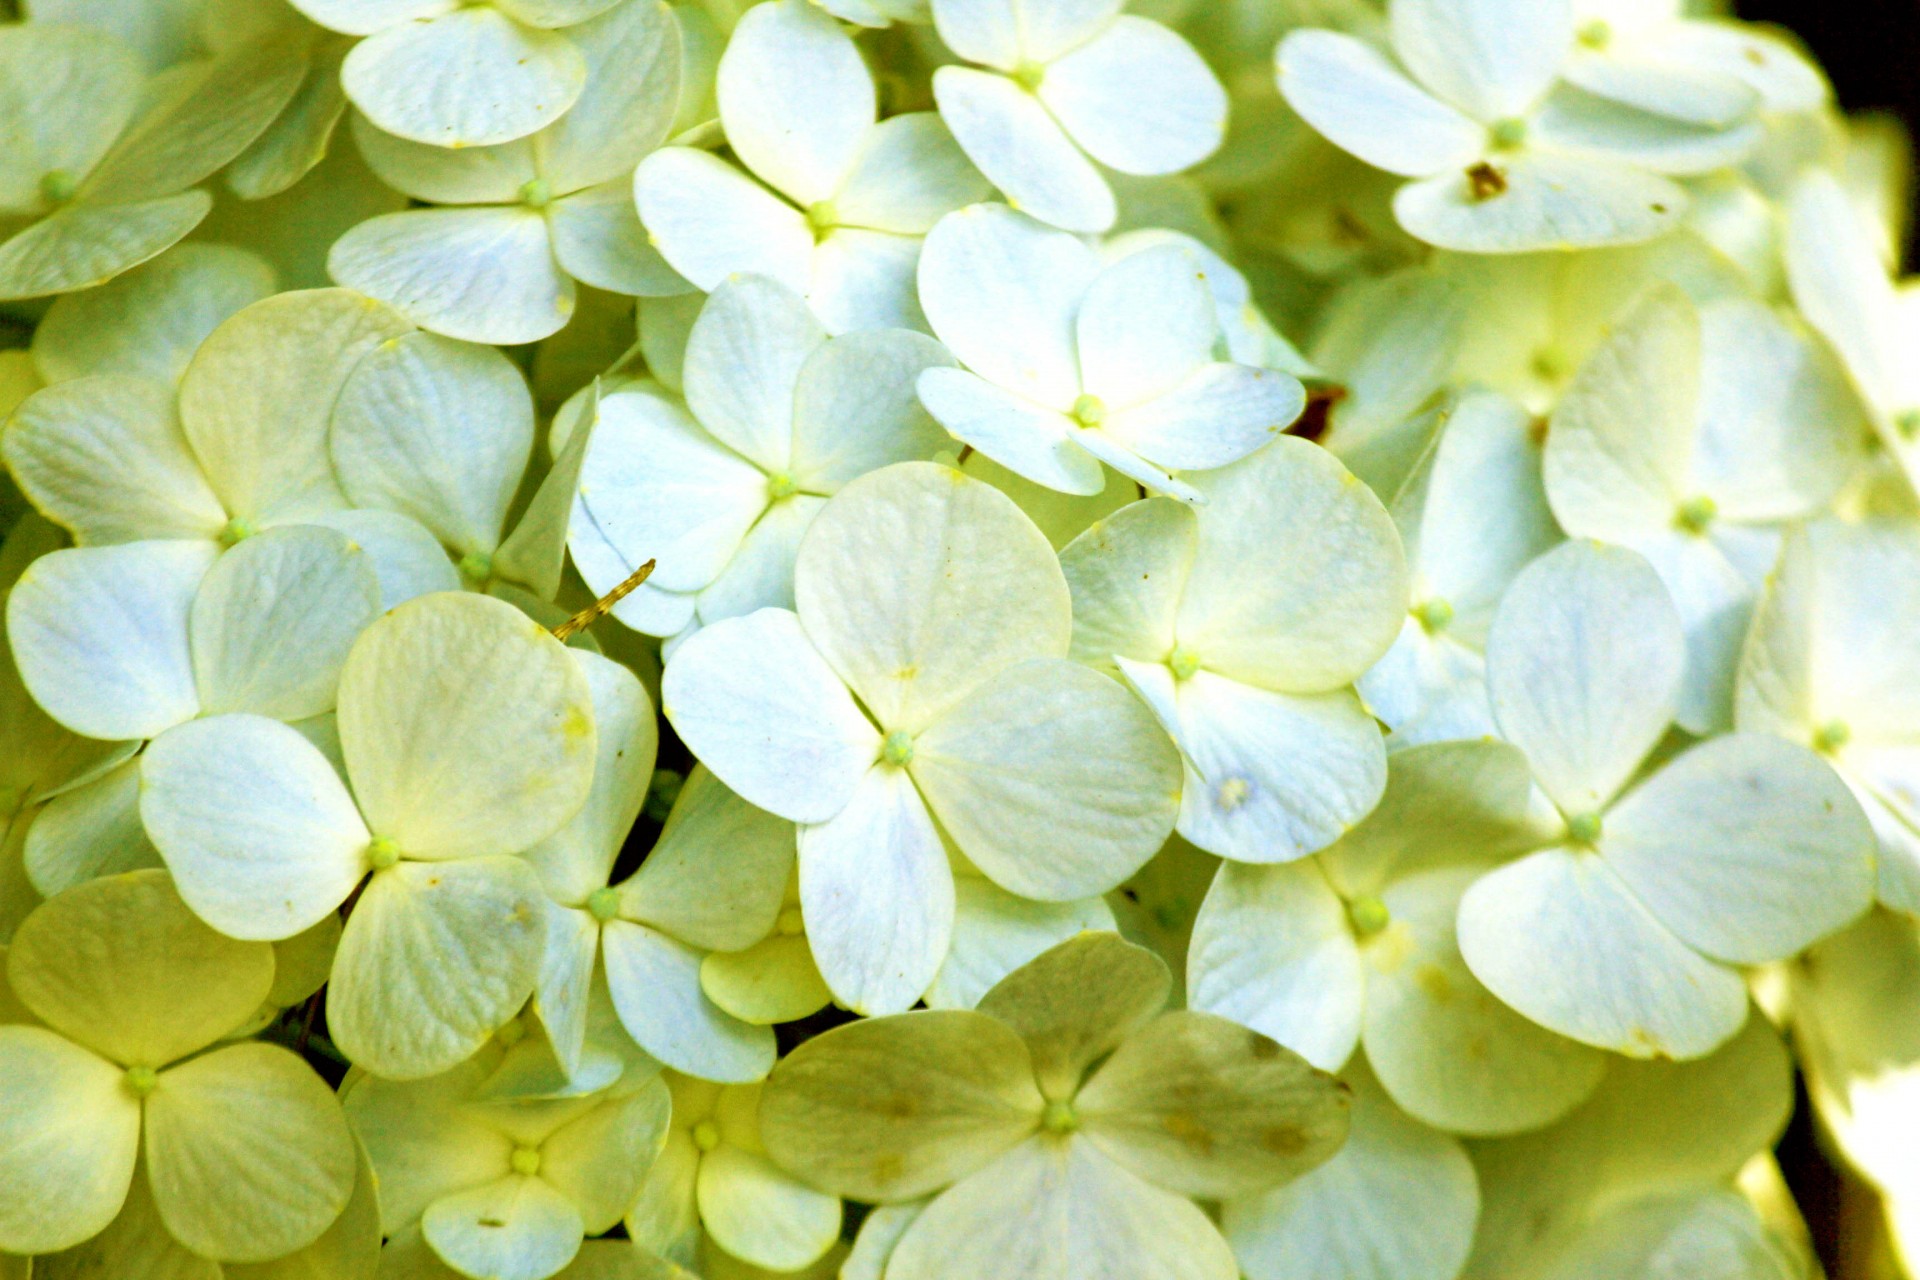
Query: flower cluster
939	639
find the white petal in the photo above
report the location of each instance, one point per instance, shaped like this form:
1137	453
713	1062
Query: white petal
743	362
437	430
1094	92
1127	574
467	78
878	895
1003	292
759	1213
1583	664
1219	415
633	54
446	175
865	280
1647	79
1715	601
1558	937
1492	60
482	274
909	175
996	932
364	17
104	456
56	68
407	559
855	407
261	837
1032	441
757	704
1061	1209
1747	847
656	987
1146	323
509	755
435	958
1331	592
1272	950
519	1228
1443	1046
597	239
1365	105
1001	33
1579	124
1017	144
274	618
710	221
1398	1202
86	244
1055	760
1542	201
100	635
795	99
973	588
257	399
760	575
89	831
69	1136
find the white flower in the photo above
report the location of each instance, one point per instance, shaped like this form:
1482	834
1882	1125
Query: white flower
1840	284
246	1155
505	1189
100	160
1069	87
720	488
1648	54
1069	364
1504	161
850	198
1472	515
1625	932
1834	662
461	75
467	735
1242	624
520	222
1357	947
923	678
1693	437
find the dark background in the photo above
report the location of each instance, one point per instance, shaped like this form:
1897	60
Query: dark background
1870	49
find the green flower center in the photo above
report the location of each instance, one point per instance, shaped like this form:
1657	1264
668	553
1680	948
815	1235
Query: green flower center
781	485
536	193
1368	916
1029	75
706	1135
1089	411
1907	424
1183	662
1584	828
1060	1118
1434	616
1597	34
1832	736
140	1081
382	853
822	217
57	186
1508	134
1695	514
897	750
235	531
604	904
526	1161
476	566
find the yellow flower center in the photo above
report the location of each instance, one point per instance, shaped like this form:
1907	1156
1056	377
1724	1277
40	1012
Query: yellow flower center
1089	411
1434	616
1584	828
1368	916
382	853
604	904
526	1161
706	1135
140	1081
1059	1117
897	750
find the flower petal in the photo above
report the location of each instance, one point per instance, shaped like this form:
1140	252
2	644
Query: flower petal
743	363
762	1215
1366	106
795	98
69	1136
1490	58
1539	201
996	932
1094	92
655	982
1037	443
710	221
1021	148
519	1228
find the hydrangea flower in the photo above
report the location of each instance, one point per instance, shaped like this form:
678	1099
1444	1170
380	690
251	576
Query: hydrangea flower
461	75
721	487
1471	516
130	642
1058	92
116	457
467	736
103	162
714	1176
1358	948
1693	437
1831	663
245	1152
505	1189
1069	365
937	691
1043	1160
845	200
519	223
1242	624
1502	160
1649	54
1624	932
